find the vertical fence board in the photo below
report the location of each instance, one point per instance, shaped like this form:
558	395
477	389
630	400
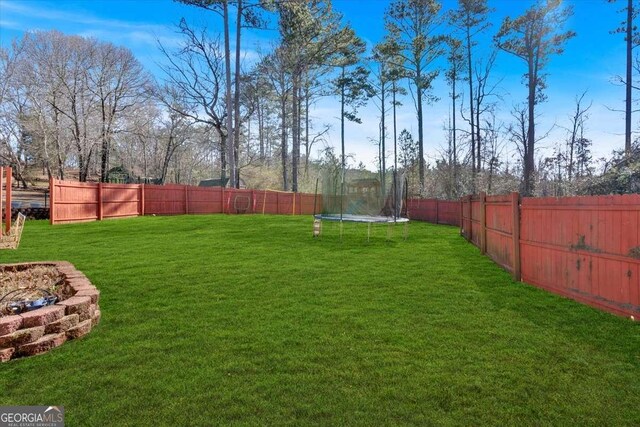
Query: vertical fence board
7	213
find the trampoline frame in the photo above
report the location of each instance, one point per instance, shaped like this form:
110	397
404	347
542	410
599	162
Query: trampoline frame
362	219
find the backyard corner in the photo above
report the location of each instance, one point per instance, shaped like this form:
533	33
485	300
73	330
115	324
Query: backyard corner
218	319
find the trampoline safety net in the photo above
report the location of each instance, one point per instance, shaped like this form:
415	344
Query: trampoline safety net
362	199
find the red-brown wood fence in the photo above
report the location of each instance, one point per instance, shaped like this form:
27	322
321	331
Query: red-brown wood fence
585	248
434	211
79	201
5	191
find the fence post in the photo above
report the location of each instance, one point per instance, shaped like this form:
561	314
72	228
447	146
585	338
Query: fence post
7	203
483	222
52	204
141	199
461	220
7	211
294	205
253	201
186	199
222	200
99	201
515	207
469	231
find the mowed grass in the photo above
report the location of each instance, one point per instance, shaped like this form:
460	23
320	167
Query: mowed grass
248	320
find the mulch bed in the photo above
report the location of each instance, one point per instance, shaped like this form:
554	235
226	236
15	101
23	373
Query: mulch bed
30	283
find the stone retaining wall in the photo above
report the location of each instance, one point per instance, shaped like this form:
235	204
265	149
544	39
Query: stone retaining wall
39	331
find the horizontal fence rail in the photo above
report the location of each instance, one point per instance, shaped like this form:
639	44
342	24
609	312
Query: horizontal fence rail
585	248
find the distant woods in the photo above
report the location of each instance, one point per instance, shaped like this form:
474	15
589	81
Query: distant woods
76	108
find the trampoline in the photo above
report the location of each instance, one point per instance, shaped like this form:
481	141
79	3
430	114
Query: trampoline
361	218
360	196
364	219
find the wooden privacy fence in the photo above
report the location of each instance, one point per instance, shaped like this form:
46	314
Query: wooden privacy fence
80	201
434	211
5	199
585	248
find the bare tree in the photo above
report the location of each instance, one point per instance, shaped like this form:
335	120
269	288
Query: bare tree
577	121
71	60
12	107
194	84
119	83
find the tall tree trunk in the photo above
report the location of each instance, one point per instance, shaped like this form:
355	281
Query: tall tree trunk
307	100
478	138
260	113
223	154
295	131
343	159
627	130
572	144
56	140
420	133
529	163
236	101
104	160
471	111
395	134
283	141
383	164
167	158
227	60
453	135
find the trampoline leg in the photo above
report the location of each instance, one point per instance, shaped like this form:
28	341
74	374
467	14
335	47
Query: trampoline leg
317	228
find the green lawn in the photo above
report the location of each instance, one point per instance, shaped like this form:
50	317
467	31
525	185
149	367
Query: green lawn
249	320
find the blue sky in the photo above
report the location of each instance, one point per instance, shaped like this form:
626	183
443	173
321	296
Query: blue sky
591	60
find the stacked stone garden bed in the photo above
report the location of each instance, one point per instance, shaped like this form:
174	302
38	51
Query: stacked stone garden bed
38	331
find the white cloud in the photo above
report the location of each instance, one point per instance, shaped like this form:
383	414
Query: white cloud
131	34
10	25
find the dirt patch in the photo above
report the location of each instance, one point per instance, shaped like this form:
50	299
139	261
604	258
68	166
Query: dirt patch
31	283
